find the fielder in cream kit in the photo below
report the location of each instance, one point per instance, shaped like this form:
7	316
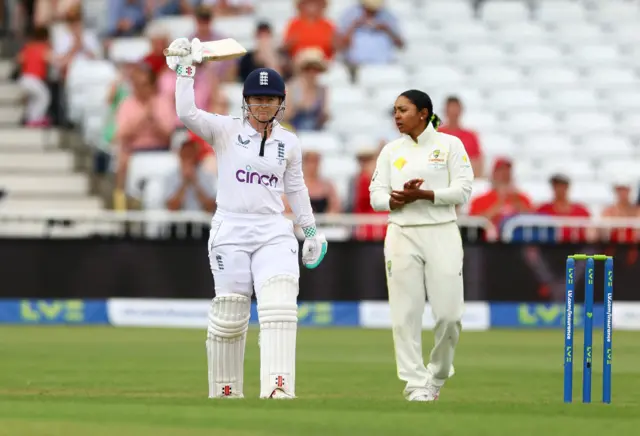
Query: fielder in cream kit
420	178
252	245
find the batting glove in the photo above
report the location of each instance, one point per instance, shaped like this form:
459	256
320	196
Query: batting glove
314	247
182	54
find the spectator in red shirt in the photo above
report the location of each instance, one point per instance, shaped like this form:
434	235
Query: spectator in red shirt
622	208
206	156
34	60
560	205
361	196
159	39
469	138
503	200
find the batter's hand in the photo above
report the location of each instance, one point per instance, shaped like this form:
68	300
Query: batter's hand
183	53
314	248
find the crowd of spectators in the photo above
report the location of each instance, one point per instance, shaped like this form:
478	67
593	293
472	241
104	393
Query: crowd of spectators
142	113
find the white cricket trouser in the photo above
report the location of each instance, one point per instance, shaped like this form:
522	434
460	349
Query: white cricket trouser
39	97
424	261
246	250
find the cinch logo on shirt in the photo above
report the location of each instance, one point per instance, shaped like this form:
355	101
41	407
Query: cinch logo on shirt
251	177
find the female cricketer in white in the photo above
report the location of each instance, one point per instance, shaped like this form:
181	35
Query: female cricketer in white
252	245
420	178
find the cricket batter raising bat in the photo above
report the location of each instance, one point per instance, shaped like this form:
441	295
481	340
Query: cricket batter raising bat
420	178
252	245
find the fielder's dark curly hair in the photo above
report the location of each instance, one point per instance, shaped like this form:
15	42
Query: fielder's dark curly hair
421	100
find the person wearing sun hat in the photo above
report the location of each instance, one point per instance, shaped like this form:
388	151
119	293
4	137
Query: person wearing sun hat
306	96
623	207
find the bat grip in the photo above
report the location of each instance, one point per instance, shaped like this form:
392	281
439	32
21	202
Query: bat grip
168	52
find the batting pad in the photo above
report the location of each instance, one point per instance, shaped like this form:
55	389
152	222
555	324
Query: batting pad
278	315
226	337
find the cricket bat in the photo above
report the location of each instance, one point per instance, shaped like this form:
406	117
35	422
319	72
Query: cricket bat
221	50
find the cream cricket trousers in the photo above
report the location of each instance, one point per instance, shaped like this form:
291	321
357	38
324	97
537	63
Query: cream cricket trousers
424	262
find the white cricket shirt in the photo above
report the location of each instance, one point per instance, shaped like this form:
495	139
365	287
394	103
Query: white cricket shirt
440	160
247	183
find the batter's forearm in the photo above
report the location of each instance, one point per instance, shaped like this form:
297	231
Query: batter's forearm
301	206
187	111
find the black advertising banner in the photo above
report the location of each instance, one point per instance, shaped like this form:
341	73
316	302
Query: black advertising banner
352	271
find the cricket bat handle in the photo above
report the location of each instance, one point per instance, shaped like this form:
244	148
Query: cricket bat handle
181	52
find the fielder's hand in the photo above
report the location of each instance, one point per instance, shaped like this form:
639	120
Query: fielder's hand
314	248
181	55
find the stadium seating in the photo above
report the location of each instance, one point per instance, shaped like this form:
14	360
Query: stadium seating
561	79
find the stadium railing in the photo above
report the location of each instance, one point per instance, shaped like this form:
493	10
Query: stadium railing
155	224
541	228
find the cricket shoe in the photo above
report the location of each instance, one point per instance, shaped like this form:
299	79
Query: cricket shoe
430	393
433	392
279	394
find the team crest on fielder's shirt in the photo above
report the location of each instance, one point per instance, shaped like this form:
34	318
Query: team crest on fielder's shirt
389	268
437	158
400	163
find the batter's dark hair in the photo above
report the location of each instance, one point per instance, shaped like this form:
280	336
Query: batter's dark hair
421	100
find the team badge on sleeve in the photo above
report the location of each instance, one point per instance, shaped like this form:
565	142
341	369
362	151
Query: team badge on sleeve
465	162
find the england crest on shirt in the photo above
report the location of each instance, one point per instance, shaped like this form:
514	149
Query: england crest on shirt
281	157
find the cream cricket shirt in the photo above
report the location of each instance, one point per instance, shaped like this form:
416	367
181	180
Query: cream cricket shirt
440	160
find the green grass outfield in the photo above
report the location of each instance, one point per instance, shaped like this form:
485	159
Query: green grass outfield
124	382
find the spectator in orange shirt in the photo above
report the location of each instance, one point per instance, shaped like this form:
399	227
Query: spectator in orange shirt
560	205
34	60
469	138
310	29
503	200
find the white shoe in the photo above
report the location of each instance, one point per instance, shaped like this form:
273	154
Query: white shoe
433	392
429	393
279	394
419	395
